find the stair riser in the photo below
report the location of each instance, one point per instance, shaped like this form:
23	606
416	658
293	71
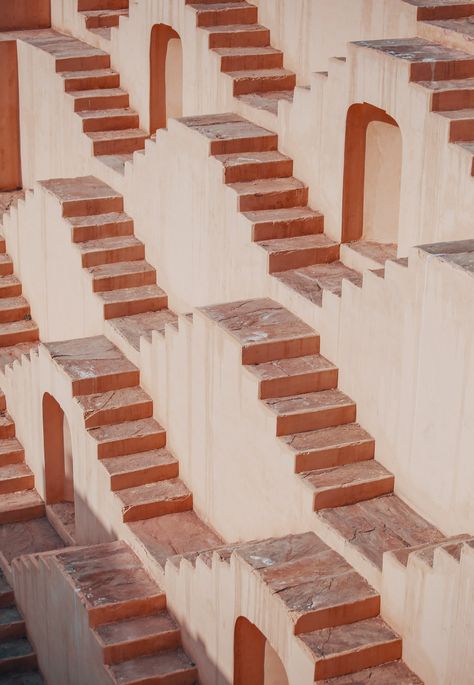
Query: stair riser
7	431
132	280
28	335
118	146
127	609
16	484
463	9
12	631
112	256
87	5
272	60
280	349
92	82
3	402
297	197
152	509
12	458
102	205
13	290
453	100
25	514
102	21
254	171
324	418
352	662
325	459
17	314
339	615
99	102
295	385
131	445
240	39
6	268
81	234
461	131
83	63
264	84
238	15
359	492
287	229
134	412
3	246
111	123
131	650
7	599
151	304
442	71
117	381
301	258
250	144
18	664
143	476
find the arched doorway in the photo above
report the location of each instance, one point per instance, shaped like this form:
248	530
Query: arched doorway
255	660
58	457
10	166
166	76
372	175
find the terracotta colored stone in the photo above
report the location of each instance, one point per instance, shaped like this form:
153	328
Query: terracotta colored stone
284	377
154	499
133	327
387	674
132	470
128	437
28	537
126	404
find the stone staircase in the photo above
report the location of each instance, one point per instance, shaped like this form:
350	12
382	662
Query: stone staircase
100	16
18	663
333	454
449	23
246	56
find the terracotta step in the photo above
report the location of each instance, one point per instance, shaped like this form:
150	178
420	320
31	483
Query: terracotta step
134	327
7	598
6	265
130	301
249	166
103	18
109	119
10	286
99	99
90	80
13	309
111	250
116	440
328	447
294	253
265	330
117	142
238	35
167	667
84	5
262	80
270	224
111	582
225	13
273	193
12	624
284	377
20	506
350	648
84	196
85	228
7	426
387	674
14	477
11	452
17	332
155	499
132	470
134	637
461	125
16	655
94	365
457	33
126	404
443	10
120	275
267	101
311	411
250	58
3	401
230	133
85	61
451	95
311	281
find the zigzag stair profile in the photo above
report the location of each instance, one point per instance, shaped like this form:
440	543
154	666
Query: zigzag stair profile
100	16
333	454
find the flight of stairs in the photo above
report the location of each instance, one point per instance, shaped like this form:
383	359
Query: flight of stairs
101	15
332	453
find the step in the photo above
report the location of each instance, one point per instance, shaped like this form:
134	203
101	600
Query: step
433	9
125	404
461	125
294	253
99	99
6	265
265	330
134	637
26	678
348	484
284	377
7	598
12	624
84	196
3	243
92	60
133	328
262	80
7	426
267	101
273	193
312	281
94	365
394	673
230	133
116	440
100	226
457	33
130	301
168	668
352	647
154	499
450	95
3	401
311	411
238	35
133	470
84	5
117	142
249	166
103	18
20	506
109	119
272	224
90	79
14	477
249	58
329	447
10	286
16	655
15	332
122	275
225	13
13	309
111	250
12	353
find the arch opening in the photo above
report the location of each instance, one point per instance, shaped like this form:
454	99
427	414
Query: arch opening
58	456
372	176
166	76
255	660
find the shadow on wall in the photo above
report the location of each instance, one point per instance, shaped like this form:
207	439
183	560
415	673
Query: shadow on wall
166	76
255	660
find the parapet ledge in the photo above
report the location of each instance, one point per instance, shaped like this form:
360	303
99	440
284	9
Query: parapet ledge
459	254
